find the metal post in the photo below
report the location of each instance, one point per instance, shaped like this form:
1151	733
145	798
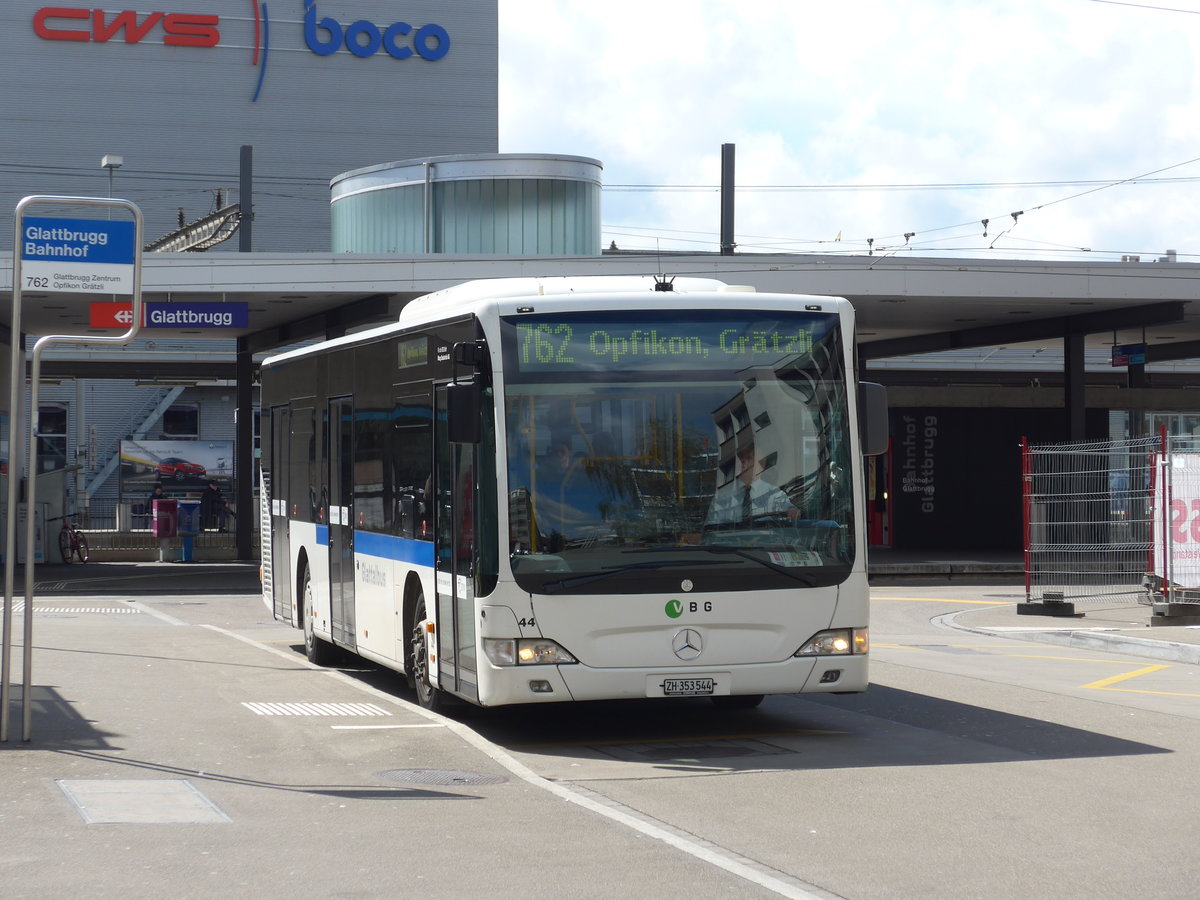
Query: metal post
1026	512
428	211
16	383
1165	513
246	200
727	243
31	489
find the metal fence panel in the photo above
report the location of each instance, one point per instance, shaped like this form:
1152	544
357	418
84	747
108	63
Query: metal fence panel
1175	530
1088	513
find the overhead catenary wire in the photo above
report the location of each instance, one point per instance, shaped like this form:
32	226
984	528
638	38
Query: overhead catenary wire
1094	186
914	239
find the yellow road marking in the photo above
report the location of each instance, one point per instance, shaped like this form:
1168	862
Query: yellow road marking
1115	662
880	645
948	600
1103	683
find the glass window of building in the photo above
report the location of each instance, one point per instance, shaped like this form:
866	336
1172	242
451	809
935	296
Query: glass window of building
182	420
52	436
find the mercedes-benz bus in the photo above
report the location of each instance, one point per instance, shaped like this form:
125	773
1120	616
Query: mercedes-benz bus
538	490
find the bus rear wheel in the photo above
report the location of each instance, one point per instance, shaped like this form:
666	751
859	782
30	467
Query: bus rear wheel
319	652
428	696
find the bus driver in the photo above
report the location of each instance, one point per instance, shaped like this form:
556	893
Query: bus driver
748	496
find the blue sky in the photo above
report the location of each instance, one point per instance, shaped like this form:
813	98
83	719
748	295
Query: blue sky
836	110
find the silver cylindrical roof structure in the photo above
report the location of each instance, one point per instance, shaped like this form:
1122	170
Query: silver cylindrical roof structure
508	203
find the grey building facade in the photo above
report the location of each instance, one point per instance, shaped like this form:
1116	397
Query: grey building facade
176	88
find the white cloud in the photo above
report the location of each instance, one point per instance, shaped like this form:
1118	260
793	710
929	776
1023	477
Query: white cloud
873	93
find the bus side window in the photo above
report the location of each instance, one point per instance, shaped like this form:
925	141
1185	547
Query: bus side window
414	514
412	465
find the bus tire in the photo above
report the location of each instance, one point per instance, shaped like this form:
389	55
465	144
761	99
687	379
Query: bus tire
319	652
428	696
737	701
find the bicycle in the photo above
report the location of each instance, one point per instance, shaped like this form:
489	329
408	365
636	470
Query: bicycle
71	542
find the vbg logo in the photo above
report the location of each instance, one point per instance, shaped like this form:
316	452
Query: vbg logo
326	36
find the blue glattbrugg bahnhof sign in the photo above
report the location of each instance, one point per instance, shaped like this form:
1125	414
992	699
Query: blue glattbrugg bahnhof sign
94	241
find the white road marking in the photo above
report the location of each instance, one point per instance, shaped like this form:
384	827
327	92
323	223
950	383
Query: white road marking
316	709
768	879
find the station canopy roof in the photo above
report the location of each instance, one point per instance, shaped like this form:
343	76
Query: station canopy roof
905	306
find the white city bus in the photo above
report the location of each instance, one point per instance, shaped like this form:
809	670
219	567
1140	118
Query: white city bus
538	490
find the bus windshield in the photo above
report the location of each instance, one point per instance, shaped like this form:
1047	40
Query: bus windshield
653	450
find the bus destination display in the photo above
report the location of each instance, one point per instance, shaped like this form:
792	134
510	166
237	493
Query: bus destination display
569	343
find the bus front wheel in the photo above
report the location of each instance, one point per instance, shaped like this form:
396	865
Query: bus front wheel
428	696
319	652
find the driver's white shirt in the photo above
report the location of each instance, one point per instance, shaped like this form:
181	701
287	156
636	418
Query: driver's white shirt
728	502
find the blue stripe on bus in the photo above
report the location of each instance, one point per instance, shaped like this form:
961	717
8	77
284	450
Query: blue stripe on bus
385	546
323	535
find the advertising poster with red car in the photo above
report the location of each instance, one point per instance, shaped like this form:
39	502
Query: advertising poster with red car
183	468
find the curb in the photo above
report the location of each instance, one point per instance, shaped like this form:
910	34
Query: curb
1169	651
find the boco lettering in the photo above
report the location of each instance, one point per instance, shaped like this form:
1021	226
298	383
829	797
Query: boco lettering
362	38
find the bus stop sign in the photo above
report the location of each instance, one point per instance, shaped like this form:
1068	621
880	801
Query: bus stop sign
77	255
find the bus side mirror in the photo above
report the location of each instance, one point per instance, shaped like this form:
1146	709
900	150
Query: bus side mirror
464	406
873	418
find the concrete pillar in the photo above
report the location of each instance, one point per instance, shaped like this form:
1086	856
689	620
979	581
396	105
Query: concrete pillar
1074	396
244	453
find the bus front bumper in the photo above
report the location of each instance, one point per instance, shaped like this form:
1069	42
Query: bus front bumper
550	684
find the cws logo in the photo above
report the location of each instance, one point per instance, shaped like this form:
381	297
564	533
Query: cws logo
64	23
324	36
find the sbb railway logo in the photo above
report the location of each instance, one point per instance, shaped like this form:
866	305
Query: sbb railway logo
323	35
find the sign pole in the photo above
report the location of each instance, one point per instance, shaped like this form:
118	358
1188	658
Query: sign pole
82	253
16	383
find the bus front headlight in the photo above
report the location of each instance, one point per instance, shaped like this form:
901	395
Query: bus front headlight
525	652
836	642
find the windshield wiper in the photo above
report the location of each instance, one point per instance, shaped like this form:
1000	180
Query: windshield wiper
553	587
748	553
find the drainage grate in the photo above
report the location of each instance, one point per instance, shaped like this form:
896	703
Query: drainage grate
131	802
438	776
316	709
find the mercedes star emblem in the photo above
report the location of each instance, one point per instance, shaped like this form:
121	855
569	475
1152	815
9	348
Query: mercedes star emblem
687	643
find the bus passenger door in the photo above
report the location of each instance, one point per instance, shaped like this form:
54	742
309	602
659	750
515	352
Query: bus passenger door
341	522
455	485
281	450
